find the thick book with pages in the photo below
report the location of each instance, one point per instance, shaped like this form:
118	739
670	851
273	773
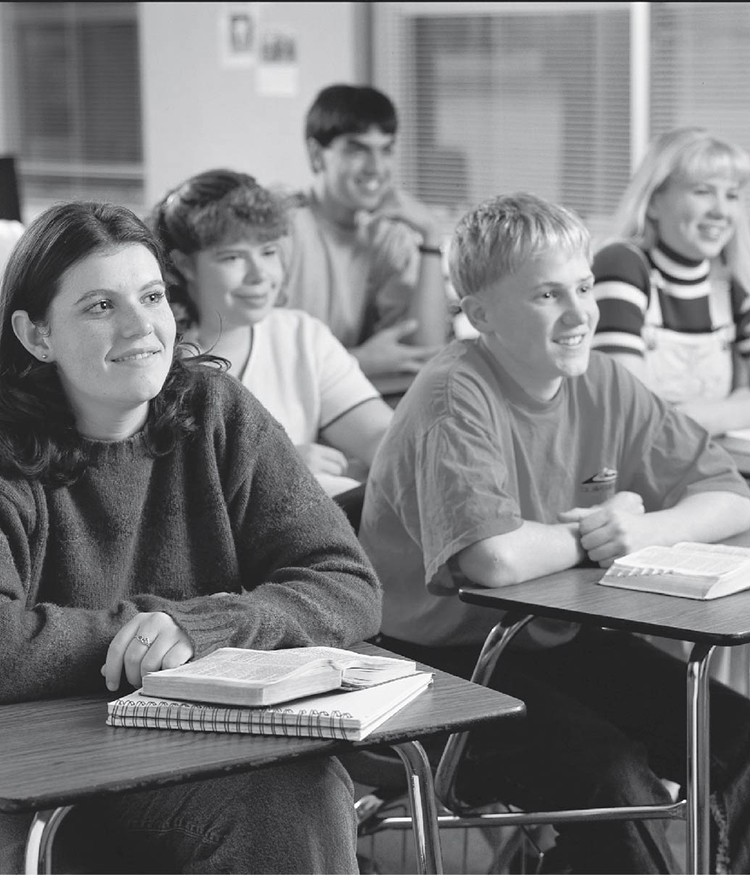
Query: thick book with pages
688	570
239	676
347	715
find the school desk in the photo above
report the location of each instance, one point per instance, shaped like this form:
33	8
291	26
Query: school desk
575	596
58	752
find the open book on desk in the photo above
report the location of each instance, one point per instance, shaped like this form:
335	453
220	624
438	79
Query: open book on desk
689	570
239	676
346	715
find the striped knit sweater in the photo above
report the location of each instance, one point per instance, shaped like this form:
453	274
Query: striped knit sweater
624	278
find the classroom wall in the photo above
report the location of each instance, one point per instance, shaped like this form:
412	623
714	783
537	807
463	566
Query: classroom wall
200	112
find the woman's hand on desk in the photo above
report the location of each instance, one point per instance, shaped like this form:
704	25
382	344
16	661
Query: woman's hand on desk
611	529
149	642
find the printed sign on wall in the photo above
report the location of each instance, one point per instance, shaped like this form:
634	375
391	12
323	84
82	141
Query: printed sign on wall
278	65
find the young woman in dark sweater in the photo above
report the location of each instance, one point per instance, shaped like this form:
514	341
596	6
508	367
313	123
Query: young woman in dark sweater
151	511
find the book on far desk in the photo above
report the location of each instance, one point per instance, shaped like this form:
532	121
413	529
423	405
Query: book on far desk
349	715
688	570
239	676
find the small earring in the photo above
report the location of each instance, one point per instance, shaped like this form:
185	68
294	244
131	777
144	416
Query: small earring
44	355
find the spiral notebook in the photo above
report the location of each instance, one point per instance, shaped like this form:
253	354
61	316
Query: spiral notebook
346	715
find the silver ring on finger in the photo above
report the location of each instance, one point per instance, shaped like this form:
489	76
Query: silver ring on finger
146	641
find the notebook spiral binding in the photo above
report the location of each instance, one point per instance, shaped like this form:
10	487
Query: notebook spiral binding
187	715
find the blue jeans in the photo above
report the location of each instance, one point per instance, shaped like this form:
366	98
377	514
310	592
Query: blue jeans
606	719
292	818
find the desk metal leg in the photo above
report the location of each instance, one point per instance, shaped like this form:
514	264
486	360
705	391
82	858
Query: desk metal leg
423	807
497	640
698	771
41	835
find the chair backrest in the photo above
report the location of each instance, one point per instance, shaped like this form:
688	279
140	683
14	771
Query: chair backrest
10	203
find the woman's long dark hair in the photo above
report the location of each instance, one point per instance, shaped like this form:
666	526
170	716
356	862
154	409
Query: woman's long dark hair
38	435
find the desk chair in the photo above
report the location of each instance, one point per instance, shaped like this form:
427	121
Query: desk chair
445	779
458	814
383	807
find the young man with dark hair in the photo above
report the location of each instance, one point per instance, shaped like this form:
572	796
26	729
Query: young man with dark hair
364	255
521	453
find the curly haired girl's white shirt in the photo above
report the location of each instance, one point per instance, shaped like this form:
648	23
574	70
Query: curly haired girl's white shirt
304	377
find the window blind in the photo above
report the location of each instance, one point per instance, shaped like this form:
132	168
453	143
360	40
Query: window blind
497	97
74	82
700	60
501	97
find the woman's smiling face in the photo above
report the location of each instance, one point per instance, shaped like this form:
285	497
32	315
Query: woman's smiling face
697	214
236	283
110	333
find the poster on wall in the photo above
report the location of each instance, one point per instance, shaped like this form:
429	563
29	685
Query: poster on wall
238	34
277	72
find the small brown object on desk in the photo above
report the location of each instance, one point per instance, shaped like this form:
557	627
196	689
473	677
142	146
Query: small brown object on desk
58	752
574	595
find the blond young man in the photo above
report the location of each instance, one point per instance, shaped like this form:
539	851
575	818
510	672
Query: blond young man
521	453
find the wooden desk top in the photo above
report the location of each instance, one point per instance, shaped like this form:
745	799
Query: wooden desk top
60	751
574	595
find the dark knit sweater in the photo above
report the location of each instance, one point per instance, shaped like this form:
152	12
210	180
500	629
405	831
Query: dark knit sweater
232	510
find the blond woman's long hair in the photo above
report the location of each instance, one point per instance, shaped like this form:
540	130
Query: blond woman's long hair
684	153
